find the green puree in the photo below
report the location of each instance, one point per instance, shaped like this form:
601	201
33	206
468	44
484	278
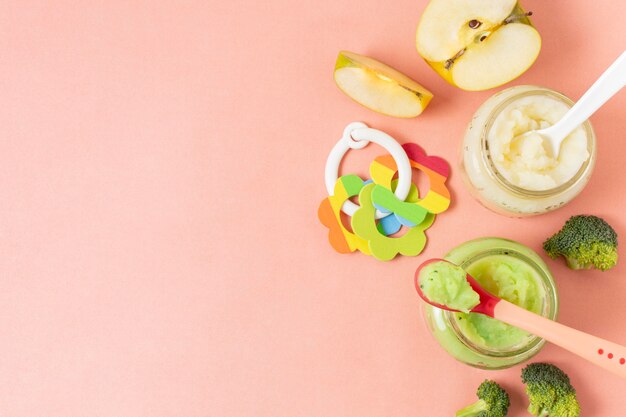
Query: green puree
512	280
445	283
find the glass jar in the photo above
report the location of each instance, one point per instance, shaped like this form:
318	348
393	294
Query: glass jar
444	325
491	188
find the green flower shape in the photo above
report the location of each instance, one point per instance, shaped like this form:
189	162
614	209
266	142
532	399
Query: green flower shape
385	248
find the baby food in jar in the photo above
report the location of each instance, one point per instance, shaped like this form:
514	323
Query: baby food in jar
519	176
511	271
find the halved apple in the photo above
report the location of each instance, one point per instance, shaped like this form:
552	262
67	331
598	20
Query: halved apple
379	87
477	44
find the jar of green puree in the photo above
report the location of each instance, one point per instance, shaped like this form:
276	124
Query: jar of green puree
511	271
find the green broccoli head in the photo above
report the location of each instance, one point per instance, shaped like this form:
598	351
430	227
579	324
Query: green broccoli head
493	401
549	391
585	242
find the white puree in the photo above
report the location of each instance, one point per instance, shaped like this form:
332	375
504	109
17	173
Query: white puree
525	162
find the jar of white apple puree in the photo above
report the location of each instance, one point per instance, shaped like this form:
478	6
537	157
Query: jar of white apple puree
519	177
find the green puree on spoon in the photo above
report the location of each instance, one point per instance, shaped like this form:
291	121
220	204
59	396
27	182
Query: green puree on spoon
445	283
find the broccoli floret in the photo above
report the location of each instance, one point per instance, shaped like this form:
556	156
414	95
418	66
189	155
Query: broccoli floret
550	391
586	242
493	401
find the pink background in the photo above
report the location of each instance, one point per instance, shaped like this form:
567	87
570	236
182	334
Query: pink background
161	164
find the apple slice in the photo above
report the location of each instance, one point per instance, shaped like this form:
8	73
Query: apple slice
477	44
379	87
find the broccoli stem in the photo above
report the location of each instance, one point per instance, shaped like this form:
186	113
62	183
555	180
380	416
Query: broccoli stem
574	264
473	409
543	413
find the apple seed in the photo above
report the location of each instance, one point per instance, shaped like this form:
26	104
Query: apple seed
474	24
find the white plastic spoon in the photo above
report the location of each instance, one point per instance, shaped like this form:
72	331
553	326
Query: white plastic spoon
609	83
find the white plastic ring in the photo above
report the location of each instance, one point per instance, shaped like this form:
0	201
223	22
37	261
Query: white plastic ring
357	136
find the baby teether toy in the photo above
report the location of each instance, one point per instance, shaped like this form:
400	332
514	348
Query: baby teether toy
386	203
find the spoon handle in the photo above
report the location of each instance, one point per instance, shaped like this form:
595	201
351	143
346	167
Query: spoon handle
609	83
603	353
